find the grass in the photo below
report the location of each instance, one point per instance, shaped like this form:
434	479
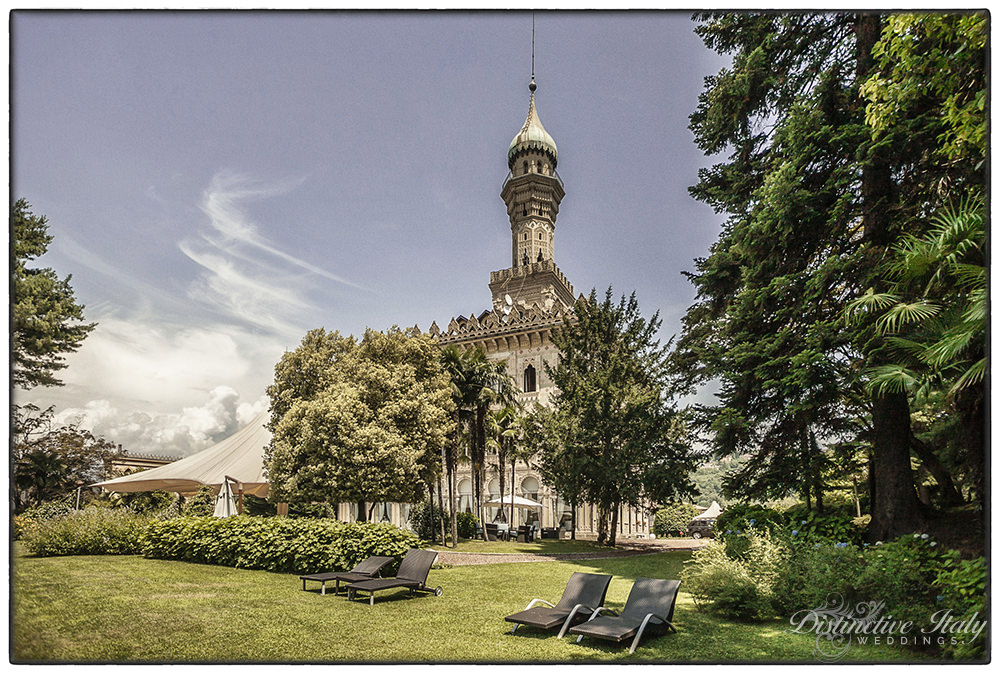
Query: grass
131	609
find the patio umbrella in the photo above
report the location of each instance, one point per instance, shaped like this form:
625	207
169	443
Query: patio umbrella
225	503
519	502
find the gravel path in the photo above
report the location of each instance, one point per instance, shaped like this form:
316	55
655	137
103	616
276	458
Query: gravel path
626	549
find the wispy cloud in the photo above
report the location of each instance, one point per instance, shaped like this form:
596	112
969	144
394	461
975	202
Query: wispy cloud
245	274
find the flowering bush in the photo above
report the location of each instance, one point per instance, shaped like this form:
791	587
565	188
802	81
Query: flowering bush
738	518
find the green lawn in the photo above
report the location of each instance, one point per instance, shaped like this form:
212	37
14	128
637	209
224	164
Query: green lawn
131	609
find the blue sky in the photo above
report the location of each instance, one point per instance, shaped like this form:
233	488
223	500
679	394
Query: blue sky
220	183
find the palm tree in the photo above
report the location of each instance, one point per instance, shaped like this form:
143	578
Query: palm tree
503	435
477	385
933	322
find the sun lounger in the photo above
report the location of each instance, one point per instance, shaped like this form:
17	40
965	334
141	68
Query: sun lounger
412	574
583	594
363	571
648	609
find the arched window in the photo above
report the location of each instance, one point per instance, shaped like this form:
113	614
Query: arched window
525	166
539	236
529	379
465	496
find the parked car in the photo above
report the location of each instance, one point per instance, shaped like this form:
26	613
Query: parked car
702	527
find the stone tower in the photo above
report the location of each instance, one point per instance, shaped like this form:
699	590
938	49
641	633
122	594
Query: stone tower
532	192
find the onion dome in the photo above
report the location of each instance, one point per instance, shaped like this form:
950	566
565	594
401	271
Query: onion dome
532	135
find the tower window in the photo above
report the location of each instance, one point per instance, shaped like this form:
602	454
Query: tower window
539	236
529	379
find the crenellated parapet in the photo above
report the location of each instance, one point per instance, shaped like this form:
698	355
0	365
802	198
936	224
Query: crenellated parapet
526	327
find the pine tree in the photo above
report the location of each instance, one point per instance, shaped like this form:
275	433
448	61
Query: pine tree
47	320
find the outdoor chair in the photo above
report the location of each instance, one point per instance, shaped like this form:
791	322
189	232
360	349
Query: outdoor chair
648	609
491	532
369	568
583	594
412	574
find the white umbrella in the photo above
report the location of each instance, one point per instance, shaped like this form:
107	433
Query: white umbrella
519	502
225	504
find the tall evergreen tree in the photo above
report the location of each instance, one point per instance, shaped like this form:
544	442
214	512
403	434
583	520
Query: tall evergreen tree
46	318
814	200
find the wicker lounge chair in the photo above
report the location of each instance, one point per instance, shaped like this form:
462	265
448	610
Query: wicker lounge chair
583	594
369	568
648	609
412	574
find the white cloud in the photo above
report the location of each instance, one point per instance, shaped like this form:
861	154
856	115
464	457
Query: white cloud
166	434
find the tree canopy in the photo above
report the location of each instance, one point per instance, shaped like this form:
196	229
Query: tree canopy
614	426
357	420
47	320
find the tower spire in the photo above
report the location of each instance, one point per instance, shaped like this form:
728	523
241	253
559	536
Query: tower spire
532	49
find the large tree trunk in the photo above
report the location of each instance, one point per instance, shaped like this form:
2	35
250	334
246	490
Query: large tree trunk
362	513
602	524
895	507
572	521
613	532
948	495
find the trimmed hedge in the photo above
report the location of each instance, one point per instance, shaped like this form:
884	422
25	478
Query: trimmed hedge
293	545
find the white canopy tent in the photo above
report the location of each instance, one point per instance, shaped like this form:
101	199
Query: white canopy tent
240	457
519	502
713	511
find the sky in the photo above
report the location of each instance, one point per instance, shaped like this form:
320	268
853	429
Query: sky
219	183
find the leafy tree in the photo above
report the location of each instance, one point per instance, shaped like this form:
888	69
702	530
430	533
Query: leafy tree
815	198
369	432
51	462
46	318
617	426
562	467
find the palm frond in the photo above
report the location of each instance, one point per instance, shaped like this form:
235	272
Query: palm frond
906	313
890	379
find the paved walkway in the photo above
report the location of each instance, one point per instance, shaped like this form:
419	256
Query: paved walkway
627	548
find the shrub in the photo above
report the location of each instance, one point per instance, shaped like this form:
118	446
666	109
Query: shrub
93	531
738	584
740	517
901	573
962	584
147	502
673	519
201	504
814	573
296	545
467	525
425	520
836	524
